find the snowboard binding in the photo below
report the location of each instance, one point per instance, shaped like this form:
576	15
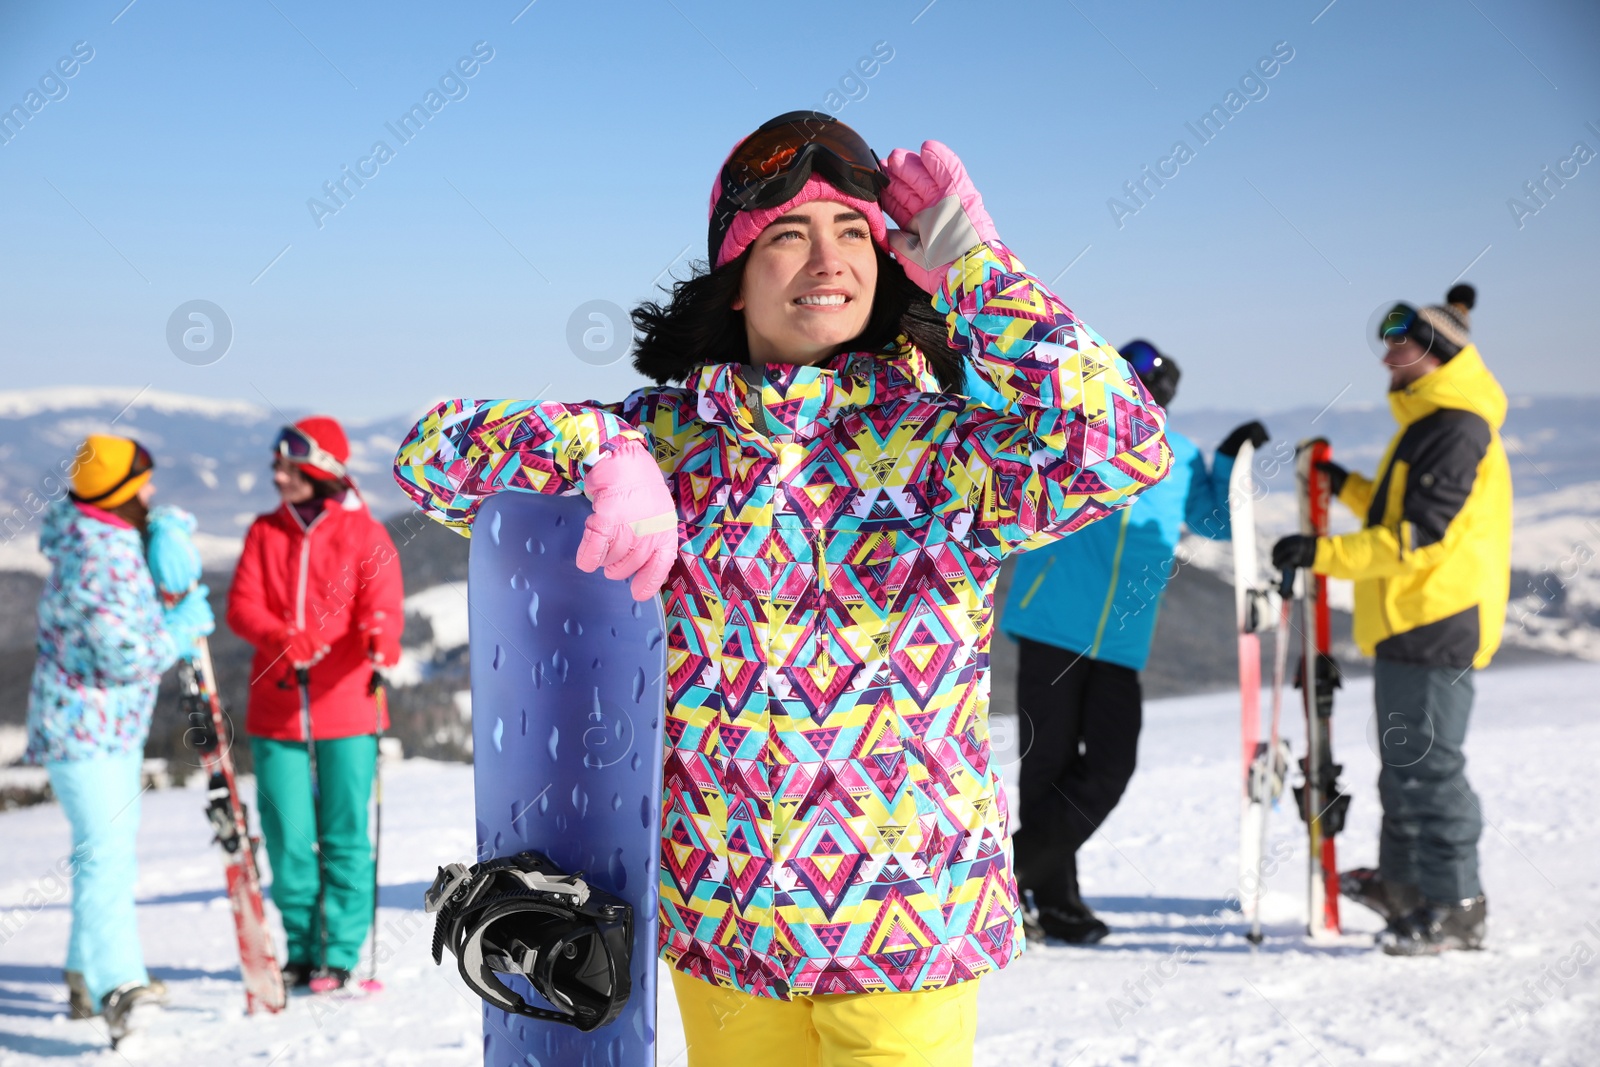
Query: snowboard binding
523	915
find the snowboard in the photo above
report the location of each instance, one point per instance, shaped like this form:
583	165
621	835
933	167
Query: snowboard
568	710
1322	804
211	739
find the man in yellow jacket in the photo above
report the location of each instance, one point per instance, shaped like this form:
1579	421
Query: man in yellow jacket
1432	571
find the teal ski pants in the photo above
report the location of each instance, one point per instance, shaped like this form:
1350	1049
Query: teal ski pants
101	799
345	767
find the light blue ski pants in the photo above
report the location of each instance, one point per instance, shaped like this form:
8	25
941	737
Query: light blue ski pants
101	799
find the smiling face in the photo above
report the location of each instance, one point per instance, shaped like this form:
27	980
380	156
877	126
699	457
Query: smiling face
808	284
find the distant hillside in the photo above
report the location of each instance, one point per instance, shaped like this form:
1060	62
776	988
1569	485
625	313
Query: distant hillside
1553	442
212	459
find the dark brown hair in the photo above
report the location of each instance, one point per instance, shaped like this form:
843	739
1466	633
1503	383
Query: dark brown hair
697	325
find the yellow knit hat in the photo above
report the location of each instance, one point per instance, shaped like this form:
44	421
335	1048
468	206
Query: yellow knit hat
110	470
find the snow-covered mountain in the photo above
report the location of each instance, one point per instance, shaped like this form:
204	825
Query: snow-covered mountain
212	457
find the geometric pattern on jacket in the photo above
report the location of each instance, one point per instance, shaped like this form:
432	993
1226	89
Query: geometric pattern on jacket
832	821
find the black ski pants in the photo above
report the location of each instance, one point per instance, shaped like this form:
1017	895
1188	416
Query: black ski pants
1078	725
1431	818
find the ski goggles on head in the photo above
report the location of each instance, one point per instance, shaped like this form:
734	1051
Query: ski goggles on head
772	164
1142	357
1159	373
297	447
141	464
1398	323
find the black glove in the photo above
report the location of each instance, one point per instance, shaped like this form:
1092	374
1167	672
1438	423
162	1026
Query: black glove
1294	552
1253	432
1336	475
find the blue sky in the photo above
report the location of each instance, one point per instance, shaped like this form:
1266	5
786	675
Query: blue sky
573	166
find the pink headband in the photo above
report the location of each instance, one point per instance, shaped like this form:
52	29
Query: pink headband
747	225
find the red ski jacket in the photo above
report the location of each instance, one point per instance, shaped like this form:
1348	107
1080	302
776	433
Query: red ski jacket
337	578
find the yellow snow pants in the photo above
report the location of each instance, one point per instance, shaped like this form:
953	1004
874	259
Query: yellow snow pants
725	1026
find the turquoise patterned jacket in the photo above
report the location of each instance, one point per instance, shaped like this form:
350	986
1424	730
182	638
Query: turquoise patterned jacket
102	641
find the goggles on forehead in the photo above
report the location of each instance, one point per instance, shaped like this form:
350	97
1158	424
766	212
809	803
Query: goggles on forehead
142	464
297	447
1159	373
1142	357
772	164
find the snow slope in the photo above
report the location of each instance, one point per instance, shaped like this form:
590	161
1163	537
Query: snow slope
1176	983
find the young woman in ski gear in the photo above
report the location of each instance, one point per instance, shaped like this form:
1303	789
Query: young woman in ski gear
318	586
104	640
1432	571
828	515
1084	611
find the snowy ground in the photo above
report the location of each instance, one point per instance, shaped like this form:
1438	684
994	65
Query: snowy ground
1176	983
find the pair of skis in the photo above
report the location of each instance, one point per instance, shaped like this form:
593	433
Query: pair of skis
208	733
1266	762
229	818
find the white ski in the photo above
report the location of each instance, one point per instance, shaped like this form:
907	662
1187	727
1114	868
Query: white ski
1246	590
1262	777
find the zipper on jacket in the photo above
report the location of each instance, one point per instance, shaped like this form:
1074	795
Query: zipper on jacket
1111	591
819	632
305	568
1037	582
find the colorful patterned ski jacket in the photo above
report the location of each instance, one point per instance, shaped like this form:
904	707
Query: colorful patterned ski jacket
832	822
102	641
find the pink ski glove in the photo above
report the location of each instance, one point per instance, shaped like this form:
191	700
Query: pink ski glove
938	210
633	532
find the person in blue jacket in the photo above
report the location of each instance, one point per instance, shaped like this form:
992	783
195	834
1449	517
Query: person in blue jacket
1083	611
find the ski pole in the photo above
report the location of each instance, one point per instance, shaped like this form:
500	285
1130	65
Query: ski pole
380	693
302	675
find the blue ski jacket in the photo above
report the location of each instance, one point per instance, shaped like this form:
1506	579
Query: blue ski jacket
1097	591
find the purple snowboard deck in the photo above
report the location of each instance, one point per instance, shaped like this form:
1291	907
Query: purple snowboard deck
567	715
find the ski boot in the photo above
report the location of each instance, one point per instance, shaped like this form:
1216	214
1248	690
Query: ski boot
298	975
129	1006
79	1003
330	980
1066	918
1076	925
1434	928
1391	900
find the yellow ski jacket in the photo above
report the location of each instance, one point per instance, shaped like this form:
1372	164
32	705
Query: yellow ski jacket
1432	568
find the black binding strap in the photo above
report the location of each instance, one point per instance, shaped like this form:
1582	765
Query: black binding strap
523	915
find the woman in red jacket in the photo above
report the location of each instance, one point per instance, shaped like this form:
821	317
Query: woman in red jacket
317	588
